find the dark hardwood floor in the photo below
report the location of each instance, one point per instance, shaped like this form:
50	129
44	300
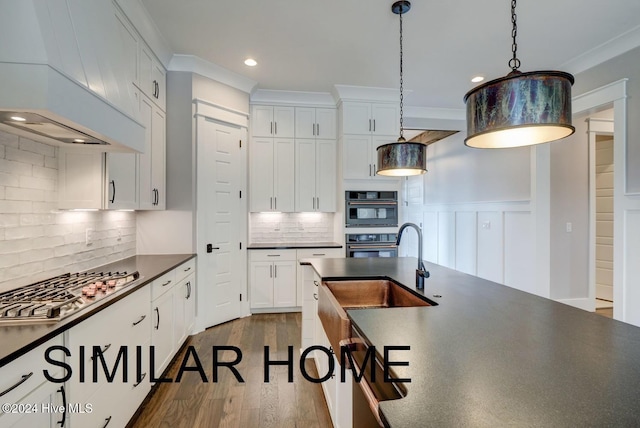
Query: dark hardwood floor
229	403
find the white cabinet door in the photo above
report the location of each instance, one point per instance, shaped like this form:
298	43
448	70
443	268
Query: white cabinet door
325	123
326	171
262	121
190	305
122	184
162	319
356	118
81	177
261	277
357	157
386	119
283	175
261	172
184	299
152	163
283	122
305	122
284	284
129	41
305	167
159	79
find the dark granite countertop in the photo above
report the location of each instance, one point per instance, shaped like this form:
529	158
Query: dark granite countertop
293	245
17	340
490	355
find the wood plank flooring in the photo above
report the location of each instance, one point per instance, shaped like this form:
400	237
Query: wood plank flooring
229	403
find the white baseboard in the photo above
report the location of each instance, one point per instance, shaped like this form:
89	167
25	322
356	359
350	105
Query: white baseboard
584	303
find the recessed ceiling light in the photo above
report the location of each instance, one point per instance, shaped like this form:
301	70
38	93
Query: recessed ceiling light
477	79
250	62
18	118
78	140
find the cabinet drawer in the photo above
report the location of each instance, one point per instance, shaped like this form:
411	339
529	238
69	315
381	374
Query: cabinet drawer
163	284
185	270
23	375
309	253
271	255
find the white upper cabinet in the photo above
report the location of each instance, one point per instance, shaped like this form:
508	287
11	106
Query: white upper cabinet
152	163
315	175
122	179
272	121
361	157
370	118
315	123
271	170
152	77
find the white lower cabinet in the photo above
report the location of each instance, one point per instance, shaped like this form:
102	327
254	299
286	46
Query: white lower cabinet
185	308
162	322
272	276
24	386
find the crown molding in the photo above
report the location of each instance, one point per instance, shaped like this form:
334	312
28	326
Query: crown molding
610	49
195	64
299	98
365	93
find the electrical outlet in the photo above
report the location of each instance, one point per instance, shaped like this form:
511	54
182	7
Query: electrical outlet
569	227
486	225
119	236
88	236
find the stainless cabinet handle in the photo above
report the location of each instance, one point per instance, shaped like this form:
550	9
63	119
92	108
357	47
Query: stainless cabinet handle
271	203
374	170
374	125
188	290
275	202
113	195
313	129
20	382
140	320
187	269
107	346
271	128
316	282
315	296
273	255
369	125
275	271
141	379
318	203
276	127
318	254
369	170
271	271
314	202
318	129
166	283
64	406
158	320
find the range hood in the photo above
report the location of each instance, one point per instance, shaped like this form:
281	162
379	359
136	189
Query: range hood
62	75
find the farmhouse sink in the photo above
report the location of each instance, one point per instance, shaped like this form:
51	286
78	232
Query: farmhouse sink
336	297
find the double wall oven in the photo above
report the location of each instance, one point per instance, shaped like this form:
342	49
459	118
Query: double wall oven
365	210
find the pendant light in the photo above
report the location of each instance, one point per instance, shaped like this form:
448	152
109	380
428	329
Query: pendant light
520	109
402	158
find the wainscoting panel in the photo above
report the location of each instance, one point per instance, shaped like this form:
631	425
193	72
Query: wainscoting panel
631	266
519	251
447	239
490	246
430	236
466	242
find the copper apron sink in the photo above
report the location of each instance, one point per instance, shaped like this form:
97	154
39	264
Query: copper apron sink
335	297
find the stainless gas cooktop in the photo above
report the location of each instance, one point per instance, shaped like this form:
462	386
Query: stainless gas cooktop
56	298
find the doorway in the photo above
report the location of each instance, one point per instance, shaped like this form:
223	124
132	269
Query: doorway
601	216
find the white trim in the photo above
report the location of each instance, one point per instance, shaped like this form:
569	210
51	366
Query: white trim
220	113
297	98
194	64
584	303
598	97
365	93
610	49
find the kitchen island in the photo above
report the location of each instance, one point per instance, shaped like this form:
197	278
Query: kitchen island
491	355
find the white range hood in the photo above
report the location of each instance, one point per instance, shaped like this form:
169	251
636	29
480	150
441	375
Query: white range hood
63	77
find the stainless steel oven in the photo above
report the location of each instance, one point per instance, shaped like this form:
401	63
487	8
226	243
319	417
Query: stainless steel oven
371	209
371	245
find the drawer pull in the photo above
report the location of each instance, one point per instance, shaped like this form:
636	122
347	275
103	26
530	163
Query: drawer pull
141	379
273	255
319	254
107	346
158	314
140	320
20	382
187	269
316	283
64	404
107	420
188	290
166	283
315	296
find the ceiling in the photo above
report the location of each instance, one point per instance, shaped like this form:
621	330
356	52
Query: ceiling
310	45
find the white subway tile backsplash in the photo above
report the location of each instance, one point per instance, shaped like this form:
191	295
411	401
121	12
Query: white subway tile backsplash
290	227
36	240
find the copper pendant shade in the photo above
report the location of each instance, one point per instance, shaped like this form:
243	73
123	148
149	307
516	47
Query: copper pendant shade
520	109
401	158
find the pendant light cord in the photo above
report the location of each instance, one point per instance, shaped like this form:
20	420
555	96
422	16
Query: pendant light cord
401	83
514	62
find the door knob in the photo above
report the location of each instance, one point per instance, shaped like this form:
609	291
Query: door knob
210	248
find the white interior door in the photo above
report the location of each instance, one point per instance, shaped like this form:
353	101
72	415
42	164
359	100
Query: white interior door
220	223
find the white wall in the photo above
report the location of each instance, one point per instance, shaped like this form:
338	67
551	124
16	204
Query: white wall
36	240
